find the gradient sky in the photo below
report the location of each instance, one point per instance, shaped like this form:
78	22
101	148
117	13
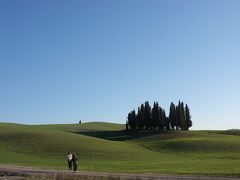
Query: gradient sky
62	61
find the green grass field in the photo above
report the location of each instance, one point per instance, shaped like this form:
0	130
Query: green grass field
107	147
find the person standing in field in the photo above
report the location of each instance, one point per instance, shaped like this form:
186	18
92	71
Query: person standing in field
70	160
74	162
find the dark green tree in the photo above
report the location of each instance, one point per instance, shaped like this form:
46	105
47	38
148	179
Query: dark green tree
127	125
172	115
167	124
164	119
179	117
182	119
188	117
147	116
140	119
132	120
155	115
161	119
142	110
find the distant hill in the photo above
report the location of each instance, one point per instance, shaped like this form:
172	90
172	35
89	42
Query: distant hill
232	132
107	147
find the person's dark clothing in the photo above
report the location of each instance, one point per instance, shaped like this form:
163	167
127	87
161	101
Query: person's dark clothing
74	163
69	164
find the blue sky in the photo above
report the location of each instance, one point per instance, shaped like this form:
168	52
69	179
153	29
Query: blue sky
62	61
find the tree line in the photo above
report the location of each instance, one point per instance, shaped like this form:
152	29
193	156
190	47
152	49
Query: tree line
149	118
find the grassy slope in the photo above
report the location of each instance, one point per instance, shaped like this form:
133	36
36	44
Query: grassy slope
104	147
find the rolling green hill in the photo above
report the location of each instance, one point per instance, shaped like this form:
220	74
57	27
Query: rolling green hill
107	147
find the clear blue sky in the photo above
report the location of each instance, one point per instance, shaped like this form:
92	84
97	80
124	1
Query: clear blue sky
62	61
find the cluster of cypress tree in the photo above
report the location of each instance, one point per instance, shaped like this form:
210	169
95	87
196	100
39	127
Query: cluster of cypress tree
150	119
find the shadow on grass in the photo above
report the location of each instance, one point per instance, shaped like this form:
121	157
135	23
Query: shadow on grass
116	135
